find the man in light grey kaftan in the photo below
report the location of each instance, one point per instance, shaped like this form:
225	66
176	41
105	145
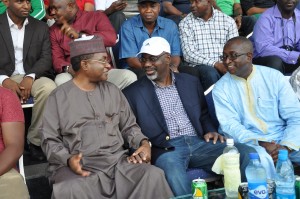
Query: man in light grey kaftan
89	120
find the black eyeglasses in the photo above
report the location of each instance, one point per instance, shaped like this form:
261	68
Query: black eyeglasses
152	59
232	57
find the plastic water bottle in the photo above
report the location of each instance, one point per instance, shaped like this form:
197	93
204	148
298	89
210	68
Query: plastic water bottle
257	178
231	169
285	178
285	152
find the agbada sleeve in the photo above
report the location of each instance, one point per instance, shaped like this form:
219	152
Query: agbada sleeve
51	139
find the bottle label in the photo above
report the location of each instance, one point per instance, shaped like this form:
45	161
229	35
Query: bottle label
258	190
285	196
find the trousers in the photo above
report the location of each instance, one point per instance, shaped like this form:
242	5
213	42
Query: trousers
194	152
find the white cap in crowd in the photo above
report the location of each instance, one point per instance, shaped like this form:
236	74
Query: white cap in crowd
155	46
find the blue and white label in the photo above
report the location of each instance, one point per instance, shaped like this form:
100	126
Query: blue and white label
258	191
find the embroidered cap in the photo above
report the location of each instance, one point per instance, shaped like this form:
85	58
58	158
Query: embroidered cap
155	46
86	45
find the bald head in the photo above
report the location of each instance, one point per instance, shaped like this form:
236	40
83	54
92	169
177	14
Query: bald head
63	11
238	53
242	42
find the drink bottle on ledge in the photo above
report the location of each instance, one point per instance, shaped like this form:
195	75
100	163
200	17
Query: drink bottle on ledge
285	178
231	169
257	178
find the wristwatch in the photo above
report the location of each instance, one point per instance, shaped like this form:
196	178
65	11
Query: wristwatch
147	141
65	69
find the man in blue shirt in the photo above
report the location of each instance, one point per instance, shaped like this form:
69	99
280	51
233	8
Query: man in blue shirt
143	26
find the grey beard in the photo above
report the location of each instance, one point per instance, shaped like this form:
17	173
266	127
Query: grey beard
152	77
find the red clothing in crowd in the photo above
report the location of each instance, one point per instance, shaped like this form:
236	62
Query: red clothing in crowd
80	3
10	110
90	23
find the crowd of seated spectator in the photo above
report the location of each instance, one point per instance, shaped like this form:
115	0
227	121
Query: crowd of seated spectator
233	8
256	7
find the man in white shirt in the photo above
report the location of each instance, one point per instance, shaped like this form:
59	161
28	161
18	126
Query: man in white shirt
25	62
113	10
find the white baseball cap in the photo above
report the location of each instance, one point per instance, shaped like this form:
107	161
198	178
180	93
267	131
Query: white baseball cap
155	46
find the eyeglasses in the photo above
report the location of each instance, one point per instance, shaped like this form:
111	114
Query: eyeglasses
231	57
101	61
152	59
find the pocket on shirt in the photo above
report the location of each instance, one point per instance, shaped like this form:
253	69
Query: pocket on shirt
112	124
267	107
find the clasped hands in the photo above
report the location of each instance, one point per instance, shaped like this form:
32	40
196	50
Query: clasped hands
141	155
272	148
22	90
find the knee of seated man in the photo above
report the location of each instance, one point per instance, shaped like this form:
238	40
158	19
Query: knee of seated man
169	164
13	179
62	78
43	87
154	172
129	75
70	185
49	87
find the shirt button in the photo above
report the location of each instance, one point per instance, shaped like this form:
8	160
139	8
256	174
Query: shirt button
167	137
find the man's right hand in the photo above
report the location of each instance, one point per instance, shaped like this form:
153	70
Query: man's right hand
215	136
115	6
67	29
220	67
75	166
12	85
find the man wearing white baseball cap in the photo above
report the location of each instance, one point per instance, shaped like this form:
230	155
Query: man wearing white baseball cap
143	26
155	46
171	110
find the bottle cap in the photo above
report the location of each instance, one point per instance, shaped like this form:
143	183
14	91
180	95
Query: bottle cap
283	151
283	154
230	141
253	156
